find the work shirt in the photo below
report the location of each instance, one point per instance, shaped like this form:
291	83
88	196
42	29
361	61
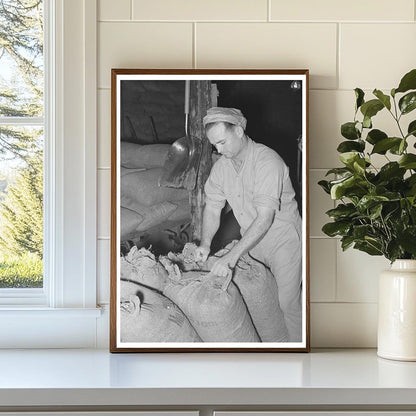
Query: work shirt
262	180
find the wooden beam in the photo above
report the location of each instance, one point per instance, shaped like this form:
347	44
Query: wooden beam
200	101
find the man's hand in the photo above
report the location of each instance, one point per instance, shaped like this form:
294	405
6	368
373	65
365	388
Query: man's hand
223	265
201	254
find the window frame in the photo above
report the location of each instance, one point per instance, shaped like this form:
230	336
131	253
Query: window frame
70	208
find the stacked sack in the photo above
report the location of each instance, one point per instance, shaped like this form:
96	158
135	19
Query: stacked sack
219	309
143	203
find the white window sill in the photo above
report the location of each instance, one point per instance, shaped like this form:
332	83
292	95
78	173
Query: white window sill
36	312
39	327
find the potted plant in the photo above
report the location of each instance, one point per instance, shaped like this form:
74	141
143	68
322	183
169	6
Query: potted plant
376	207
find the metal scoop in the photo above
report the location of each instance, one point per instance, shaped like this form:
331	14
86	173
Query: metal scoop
182	161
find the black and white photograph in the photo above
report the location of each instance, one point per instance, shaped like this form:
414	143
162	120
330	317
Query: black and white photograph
209	210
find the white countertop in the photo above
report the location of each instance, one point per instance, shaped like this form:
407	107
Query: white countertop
96	377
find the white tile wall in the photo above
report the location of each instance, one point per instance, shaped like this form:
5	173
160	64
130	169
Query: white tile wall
376	55
319	203
328	110
344	325
357	275
142	45
271	45
341	10
345	44
323	269
114	10
200	10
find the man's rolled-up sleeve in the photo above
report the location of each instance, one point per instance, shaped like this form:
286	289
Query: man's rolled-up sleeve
269	183
214	195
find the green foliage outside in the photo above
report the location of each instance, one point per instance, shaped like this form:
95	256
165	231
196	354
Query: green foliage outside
21	271
376	210
21	148
21	221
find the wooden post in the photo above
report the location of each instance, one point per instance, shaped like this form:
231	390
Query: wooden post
200	101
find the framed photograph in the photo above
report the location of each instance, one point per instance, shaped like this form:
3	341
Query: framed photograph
209	211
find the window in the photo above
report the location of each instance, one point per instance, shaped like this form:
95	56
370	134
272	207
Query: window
22	128
63	312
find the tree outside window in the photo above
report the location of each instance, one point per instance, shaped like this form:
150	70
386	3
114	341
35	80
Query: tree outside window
21	143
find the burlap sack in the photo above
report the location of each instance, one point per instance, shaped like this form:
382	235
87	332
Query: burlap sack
217	315
260	293
129	221
147	316
142	188
141	266
147	156
256	285
156	215
186	259
182	212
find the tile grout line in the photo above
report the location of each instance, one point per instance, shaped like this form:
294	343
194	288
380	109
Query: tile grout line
269	10
131	10
228	21
194	45
338	66
352	302
336	271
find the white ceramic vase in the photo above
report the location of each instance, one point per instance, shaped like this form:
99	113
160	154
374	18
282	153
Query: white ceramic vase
397	312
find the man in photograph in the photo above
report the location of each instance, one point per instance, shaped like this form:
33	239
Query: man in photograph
255	181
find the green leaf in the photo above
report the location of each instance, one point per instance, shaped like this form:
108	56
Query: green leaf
350	146
393	250
367	122
342	211
368	248
407	240
336	228
399	148
408	161
338	171
361	231
411	184
411	130
383	145
346	242
393	92
359	95
375	136
354	161
369	201
375	211
408	82
385	99
348	158
359	165
391	170
408	102
338	189
350	131
325	186
371	108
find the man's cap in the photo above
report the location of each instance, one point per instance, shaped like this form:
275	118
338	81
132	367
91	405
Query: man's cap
229	115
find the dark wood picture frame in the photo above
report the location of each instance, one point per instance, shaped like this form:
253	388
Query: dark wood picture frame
256	93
